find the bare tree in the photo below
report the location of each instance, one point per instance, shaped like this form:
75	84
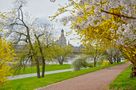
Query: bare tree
25	35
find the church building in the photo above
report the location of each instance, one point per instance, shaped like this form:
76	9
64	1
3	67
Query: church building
62	39
63	42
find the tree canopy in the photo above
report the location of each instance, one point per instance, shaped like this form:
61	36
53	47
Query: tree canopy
111	22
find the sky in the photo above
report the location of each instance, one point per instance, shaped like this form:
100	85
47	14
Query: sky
43	9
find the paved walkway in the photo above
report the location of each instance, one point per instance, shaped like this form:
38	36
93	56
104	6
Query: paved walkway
35	74
98	80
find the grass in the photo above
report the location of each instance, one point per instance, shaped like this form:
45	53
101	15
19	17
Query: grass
53	67
34	82
124	82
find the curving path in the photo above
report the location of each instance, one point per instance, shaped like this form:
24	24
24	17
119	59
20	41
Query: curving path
98	80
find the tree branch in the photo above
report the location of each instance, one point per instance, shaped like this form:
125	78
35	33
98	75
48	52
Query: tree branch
20	33
119	15
40	35
16	24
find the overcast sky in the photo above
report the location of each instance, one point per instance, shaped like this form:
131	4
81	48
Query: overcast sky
36	8
41	9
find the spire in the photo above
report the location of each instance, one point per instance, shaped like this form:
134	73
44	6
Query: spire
62	33
62	30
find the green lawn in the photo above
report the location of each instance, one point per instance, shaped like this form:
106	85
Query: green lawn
32	69
34	82
124	82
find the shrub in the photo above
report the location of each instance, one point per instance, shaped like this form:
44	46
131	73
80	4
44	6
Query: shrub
79	63
6	56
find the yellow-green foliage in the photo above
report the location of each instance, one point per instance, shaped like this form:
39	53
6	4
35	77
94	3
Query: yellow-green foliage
130	53
105	63
53	51
6	56
62	50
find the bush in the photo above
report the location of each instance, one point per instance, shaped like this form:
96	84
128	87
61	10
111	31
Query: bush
79	63
6	56
105	63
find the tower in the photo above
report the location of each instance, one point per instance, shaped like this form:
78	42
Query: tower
62	39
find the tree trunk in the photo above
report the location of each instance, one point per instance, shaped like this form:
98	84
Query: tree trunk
133	74
38	68
61	60
42	55
33	52
110	60
118	59
43	68
95	62
114	59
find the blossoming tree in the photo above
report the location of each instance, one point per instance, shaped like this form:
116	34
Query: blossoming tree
112	22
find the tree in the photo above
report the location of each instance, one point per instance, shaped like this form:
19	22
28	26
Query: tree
61	52
27	33
43	34
19	21
94	49
6	57
113	55
32	34
110	20
44	51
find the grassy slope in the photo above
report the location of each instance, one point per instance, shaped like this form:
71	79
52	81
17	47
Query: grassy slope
124	82
47	68
34	82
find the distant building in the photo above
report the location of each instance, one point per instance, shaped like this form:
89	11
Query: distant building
62	39
63	42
